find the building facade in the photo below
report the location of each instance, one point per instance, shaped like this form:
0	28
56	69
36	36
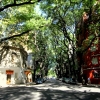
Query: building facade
12	70
90	57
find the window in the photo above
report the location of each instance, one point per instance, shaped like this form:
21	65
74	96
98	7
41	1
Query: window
96	74
94	60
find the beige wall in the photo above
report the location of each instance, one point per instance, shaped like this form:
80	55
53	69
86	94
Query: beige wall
16	78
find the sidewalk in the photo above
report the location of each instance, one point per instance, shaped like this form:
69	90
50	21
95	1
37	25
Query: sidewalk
14	85
89	85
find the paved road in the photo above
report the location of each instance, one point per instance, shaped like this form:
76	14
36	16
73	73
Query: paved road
50	90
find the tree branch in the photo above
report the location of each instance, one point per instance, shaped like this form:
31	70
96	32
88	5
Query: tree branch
17	35
15	4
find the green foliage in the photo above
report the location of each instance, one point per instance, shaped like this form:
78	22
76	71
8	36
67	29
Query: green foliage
5	2
52	36
79	49
51	73
91	37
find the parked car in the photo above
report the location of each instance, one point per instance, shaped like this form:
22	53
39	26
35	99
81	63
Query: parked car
39	81
69	80
66	80
44	79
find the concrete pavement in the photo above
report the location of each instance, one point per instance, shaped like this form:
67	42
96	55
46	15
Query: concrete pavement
50	90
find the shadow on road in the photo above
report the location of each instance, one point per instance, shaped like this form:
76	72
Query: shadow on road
33	93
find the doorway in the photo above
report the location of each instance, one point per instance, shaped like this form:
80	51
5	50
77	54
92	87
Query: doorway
8	78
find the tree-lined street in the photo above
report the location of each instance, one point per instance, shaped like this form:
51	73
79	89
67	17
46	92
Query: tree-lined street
50	90
40	39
